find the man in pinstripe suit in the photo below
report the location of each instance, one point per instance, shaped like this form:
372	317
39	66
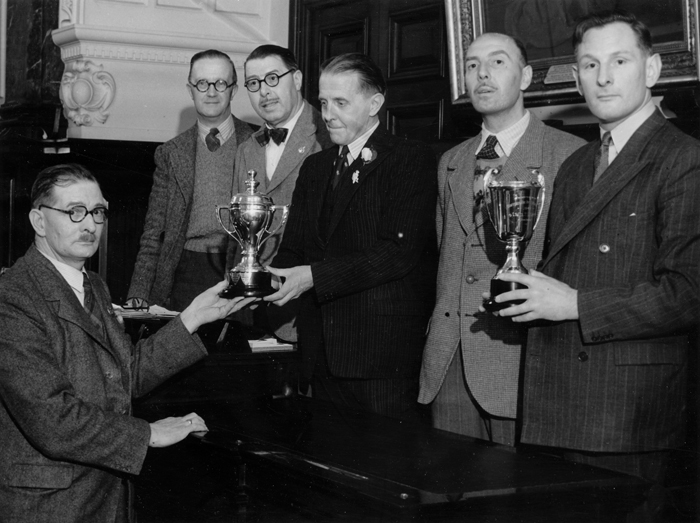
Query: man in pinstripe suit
471	362
605	377
359	250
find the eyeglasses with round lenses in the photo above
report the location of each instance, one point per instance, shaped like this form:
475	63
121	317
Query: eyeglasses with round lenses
203	86
78	213
271	79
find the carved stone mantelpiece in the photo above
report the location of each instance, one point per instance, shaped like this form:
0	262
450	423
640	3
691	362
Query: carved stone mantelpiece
126	61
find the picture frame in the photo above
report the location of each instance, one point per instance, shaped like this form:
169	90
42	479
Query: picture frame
673	24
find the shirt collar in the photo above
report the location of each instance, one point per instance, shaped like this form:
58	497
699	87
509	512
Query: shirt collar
225	128
507	138
73	276
356	146
622	133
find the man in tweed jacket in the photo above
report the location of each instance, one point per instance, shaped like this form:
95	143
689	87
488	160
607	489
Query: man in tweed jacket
180	212
68	371
471	362
606	376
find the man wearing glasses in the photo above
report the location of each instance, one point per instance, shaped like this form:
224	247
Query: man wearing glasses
183	248
293	130
68	371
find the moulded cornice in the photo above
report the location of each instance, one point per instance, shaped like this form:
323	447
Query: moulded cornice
114	44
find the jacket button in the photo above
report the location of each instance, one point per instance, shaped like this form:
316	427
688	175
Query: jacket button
447	314
604	248
582	356
470	279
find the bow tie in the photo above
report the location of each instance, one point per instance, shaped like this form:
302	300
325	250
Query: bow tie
278	135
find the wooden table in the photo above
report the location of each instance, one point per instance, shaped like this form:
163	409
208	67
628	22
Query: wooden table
356	466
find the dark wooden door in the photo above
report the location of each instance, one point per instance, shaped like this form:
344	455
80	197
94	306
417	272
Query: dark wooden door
407	40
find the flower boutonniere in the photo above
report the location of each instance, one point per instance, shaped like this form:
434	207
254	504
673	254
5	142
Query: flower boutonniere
367	154
356	177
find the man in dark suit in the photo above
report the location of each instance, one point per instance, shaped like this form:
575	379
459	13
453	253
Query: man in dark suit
471	363
359	250
619	284
183	248
293	130
68	371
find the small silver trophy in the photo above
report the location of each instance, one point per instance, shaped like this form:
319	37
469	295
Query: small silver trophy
514	208
251	215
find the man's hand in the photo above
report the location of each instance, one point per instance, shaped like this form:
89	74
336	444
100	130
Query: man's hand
546	298
168	431
297	281
209	306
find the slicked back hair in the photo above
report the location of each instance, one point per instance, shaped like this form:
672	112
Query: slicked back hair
213	53
282	53
370	76
604	18
57	176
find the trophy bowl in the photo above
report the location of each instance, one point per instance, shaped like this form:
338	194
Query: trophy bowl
514	208
250	215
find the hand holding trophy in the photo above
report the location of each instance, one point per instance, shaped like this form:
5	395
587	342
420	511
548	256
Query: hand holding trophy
251	215
514	208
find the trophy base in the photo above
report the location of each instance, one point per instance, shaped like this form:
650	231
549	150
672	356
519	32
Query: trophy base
500	287
258	285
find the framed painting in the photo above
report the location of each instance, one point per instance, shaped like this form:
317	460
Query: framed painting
546	26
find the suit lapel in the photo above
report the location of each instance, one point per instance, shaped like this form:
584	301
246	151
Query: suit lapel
623	169
299	143
55	290
358	172
523	164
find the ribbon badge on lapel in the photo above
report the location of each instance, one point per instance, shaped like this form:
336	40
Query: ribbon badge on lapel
356	177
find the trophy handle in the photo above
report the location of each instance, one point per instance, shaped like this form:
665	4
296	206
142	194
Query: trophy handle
233	234
285	214
540	200
487	194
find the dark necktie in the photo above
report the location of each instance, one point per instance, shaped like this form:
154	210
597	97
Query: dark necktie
601	157
212	141
488	151
341	163
89	304
88	296
278	135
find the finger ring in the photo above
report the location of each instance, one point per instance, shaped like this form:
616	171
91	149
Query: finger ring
189	421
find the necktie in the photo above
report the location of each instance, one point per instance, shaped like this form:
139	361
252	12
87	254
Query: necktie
278	135
212	141
341	163
601	157
488	151
89	304
89	297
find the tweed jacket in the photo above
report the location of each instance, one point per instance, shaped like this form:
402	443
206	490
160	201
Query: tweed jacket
168	215
615	380
68	437
309	136
374	274
470	255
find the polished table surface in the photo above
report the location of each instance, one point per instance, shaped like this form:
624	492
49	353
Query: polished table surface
315	453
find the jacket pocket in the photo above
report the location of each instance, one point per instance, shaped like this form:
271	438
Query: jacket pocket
55	476
664	351
399	308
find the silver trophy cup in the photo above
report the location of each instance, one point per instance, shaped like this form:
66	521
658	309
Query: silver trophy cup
250	215
514	208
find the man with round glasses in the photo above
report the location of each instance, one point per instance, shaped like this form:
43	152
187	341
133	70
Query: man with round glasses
293	130
183	248
68	371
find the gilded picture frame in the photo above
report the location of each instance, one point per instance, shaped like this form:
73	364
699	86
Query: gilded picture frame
545	28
